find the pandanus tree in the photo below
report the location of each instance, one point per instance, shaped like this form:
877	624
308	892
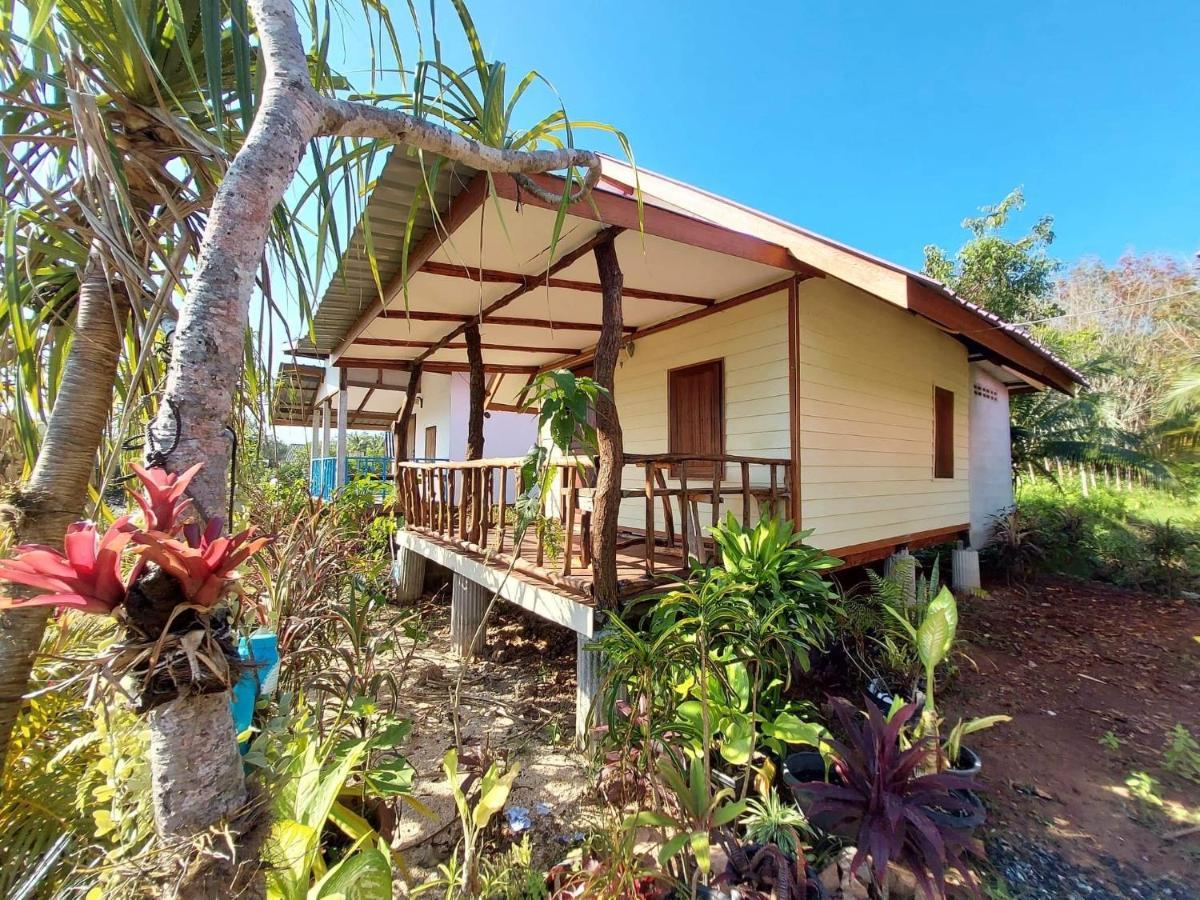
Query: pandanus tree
197	776
113	142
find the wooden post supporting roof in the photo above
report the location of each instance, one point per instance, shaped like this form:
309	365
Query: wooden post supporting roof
474	428
608	431
405	421
794	399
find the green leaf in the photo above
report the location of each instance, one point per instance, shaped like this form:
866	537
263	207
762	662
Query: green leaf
737	739
391	778
672	847
702	849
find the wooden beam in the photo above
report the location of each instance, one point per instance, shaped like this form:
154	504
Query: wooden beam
872	551
495	276
747	297
408	365
606	234
616	209
794	432
461	208
514	348
517	322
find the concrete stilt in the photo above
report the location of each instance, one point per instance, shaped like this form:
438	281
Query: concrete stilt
409	574
587	685
902	567
964	565
468	601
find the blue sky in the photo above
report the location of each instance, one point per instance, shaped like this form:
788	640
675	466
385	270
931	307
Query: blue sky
884	125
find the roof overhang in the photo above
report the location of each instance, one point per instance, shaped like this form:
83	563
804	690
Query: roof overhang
486	257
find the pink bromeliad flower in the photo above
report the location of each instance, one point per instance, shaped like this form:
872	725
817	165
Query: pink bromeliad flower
87	577
204	563
164	501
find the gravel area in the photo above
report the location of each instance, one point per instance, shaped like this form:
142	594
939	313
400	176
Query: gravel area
1033	872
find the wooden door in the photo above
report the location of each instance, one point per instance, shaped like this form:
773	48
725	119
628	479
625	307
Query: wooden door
696	414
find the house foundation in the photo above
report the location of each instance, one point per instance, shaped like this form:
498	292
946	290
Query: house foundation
408	571
964	565
468	603
588	676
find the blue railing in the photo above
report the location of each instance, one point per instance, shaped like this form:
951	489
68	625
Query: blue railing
322	480
321	473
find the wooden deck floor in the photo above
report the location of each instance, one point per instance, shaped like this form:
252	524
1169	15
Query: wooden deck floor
575	579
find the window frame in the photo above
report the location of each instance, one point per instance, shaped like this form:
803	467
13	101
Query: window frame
943	433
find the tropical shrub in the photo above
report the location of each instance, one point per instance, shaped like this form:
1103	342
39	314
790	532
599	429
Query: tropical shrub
1137	537
883	804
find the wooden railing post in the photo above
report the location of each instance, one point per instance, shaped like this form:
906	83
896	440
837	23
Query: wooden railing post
650	530
745	494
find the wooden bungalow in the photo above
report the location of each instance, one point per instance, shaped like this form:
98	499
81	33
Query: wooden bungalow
753	366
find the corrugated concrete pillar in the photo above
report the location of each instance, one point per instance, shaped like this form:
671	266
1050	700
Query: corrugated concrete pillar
587	685
902	567
964	570
409	574
468	601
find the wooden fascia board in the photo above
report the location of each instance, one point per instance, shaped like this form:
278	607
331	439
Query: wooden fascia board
953	316
618	209
462	207
406	365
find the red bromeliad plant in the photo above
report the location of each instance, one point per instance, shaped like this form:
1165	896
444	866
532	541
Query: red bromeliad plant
164	501
88	575
891	811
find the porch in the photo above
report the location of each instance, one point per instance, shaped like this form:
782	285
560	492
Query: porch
470	507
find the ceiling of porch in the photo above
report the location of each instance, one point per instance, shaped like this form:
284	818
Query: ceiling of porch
489	259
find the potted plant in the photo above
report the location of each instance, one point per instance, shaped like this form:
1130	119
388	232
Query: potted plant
921	822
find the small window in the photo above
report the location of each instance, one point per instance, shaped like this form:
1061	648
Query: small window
696	415
410	439
943	433
431	442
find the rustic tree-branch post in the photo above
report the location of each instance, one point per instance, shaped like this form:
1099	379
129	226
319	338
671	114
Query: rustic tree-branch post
53	497
608	429
190	736
475	426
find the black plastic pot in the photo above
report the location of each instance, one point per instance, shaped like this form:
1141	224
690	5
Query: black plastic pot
881	695
969	818
803	768
968	763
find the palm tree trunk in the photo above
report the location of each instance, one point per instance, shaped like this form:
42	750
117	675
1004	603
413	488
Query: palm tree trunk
54	495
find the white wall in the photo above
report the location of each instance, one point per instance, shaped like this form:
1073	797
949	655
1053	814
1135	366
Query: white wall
751	339
991	453
434	409
504	433
867	377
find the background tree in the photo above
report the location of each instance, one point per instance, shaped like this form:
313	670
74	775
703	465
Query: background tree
1012	277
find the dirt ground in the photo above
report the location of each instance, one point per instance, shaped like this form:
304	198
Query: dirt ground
1094	677
518	704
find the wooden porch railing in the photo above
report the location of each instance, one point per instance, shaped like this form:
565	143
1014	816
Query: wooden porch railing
467	503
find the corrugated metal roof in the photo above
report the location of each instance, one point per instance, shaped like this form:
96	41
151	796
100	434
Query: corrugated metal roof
352	288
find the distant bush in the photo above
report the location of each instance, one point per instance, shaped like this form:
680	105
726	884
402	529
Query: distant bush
1142	538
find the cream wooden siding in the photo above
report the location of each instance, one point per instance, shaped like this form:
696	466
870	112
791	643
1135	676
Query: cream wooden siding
867	374
752	341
